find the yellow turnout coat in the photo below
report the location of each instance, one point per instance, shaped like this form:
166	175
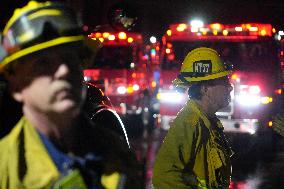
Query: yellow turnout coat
194	154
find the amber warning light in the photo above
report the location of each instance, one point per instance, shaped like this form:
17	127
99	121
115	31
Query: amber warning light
217	29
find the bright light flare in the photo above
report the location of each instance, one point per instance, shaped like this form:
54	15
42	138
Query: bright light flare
121	90
196	23
169	32
111	37
254	89
239	28
130	40
153	39
122	35
266	100
248	100
181	27
105	35
171	97
136	87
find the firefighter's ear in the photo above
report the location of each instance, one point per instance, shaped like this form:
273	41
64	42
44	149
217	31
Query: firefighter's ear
14	87
17	96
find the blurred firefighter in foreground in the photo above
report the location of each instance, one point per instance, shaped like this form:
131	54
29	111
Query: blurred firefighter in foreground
54	145
195	153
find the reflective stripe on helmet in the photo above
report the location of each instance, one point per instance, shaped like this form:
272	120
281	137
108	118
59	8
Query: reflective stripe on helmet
47	44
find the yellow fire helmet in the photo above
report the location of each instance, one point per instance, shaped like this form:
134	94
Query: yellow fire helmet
201	64
38	26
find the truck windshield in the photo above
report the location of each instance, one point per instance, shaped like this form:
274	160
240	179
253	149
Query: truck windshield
244	56
114	57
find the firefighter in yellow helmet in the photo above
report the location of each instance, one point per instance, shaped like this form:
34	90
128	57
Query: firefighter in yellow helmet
195	153
54	144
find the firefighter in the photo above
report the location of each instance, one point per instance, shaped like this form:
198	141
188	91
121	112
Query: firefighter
99	108
195	153
54	145
278	124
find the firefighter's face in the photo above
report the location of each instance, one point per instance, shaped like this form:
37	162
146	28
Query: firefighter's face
49	81
219	93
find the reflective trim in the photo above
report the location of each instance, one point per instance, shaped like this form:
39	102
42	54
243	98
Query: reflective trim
47	44
48	12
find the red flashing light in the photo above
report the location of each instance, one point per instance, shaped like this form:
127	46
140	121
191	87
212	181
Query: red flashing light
234	77
278	91
122	35
98	35
105	35
253	29
111	37
225	32
130	40
216	29
171	57
181	27
169	45
238	28
168	51
216	26
263	32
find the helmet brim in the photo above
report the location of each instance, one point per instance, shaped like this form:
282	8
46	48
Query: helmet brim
190	80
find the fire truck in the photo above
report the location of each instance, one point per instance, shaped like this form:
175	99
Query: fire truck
254	51
123	72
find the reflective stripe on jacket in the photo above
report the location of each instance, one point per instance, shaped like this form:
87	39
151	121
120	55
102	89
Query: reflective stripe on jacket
194	154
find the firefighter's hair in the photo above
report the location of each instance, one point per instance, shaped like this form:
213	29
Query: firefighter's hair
194	90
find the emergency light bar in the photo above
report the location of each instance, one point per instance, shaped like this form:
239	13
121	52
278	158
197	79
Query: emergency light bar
222	31
121	38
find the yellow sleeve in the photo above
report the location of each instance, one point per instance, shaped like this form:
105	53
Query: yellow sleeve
110	181
174	154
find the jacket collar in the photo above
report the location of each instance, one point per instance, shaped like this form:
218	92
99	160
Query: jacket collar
192	105
40	171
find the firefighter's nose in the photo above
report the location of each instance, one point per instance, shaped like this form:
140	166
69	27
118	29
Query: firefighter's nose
230	87
62	71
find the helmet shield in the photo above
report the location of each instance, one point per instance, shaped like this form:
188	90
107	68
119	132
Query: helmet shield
40	25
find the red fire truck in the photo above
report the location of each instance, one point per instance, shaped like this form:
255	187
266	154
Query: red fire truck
252	49
124	74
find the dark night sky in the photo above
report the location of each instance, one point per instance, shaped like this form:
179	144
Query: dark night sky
155	15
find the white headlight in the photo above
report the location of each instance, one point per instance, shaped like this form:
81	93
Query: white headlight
172	97
121	90
248	100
